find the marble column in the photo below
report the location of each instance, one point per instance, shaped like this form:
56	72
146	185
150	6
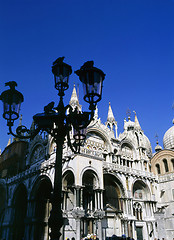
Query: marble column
78	228
99	229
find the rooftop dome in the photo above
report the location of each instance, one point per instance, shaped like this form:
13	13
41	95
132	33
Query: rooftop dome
168	139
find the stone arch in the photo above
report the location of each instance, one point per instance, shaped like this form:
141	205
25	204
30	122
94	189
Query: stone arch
90	182
68	179
94	173
52	146
90	176
137	210
38	152
128	143
68	184
166	167
127	149
113	191
40	205
19	211
158	168
101	134
140	190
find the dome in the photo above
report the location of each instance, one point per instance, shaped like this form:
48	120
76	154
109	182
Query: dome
168	139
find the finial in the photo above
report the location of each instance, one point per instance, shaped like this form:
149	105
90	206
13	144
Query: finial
110	117
128	113
156	136
158	147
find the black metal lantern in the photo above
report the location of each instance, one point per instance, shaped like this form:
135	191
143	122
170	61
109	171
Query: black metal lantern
92	79
79	136
79	122
12	100
61	73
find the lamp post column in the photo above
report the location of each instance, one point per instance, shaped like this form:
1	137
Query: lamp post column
56	219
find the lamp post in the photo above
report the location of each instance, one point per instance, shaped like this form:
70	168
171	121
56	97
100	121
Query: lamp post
58	122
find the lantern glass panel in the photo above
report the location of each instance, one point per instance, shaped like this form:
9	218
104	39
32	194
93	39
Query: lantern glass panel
92	85
79	135
61	73
11	104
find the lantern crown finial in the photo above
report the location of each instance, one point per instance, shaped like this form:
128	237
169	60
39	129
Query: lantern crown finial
87	65
59	60
11	84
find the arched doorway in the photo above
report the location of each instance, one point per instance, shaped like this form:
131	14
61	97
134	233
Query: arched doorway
41	195
113	199
19	213
111	193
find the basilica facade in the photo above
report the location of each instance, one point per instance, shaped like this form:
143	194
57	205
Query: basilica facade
111	187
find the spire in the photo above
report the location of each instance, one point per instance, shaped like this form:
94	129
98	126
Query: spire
137	124
74	98
110	117
111	123
74	101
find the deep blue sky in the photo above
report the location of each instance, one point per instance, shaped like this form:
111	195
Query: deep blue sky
131	41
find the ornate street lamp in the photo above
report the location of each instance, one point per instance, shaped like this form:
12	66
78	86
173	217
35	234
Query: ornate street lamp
58	122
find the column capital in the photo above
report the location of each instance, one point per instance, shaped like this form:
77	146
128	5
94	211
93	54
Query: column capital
99	214
78	213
